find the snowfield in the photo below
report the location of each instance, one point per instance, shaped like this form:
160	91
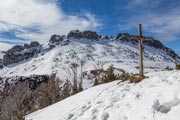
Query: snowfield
123	55
1	55
155	98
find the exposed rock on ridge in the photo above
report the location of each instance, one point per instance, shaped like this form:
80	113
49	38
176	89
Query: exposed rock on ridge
19	53
151	42
85	34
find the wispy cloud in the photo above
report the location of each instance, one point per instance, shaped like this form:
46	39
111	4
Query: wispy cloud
159	18
38	19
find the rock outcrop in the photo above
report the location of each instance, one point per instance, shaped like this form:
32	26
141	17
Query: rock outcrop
85	34
22	52
31	45
19	53
157	44
1	63
33	81
119	36
56	39
150	42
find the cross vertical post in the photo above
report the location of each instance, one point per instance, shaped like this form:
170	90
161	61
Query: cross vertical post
141	71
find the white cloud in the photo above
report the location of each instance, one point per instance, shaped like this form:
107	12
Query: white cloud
4	46
45	16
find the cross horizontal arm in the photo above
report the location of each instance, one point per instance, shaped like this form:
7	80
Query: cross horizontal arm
137	37
146	38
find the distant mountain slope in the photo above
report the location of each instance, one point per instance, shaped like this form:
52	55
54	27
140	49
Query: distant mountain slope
155	98
1	59
87	48
1	55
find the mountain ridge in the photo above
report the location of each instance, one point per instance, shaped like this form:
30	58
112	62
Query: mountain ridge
27	51
57	56
80	60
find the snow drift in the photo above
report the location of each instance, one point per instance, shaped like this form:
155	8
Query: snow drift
155	98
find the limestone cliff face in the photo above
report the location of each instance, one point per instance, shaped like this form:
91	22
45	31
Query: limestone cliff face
150	42
85	34
1	63
19	53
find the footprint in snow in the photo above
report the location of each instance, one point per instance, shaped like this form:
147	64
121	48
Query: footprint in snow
166	107
99	102
105	116
70	116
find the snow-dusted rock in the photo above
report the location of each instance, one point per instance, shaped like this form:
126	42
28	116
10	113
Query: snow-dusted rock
19	53
61	51
85	34
122	54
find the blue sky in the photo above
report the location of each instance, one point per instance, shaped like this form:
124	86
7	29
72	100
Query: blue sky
26	20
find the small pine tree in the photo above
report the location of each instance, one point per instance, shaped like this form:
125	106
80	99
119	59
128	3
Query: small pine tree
110	74
66	90
124	76
96	82
178	67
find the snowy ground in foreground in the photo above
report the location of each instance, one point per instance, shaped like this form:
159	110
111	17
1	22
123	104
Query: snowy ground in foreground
155	98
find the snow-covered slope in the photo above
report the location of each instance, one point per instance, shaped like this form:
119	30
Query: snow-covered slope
121	54
1	55
155	98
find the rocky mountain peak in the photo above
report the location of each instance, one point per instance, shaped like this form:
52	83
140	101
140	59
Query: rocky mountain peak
84	34
21	52
56	39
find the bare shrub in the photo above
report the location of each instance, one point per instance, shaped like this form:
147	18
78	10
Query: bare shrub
76	76
125	76
108	75
74	69
97	72
99	65
97	75
103	76
15	101
20	99
48	93
66	89
136	78
81	76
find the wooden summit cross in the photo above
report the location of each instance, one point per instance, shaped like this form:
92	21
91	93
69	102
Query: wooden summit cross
141	38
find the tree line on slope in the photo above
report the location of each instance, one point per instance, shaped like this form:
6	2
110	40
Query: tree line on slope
20	99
